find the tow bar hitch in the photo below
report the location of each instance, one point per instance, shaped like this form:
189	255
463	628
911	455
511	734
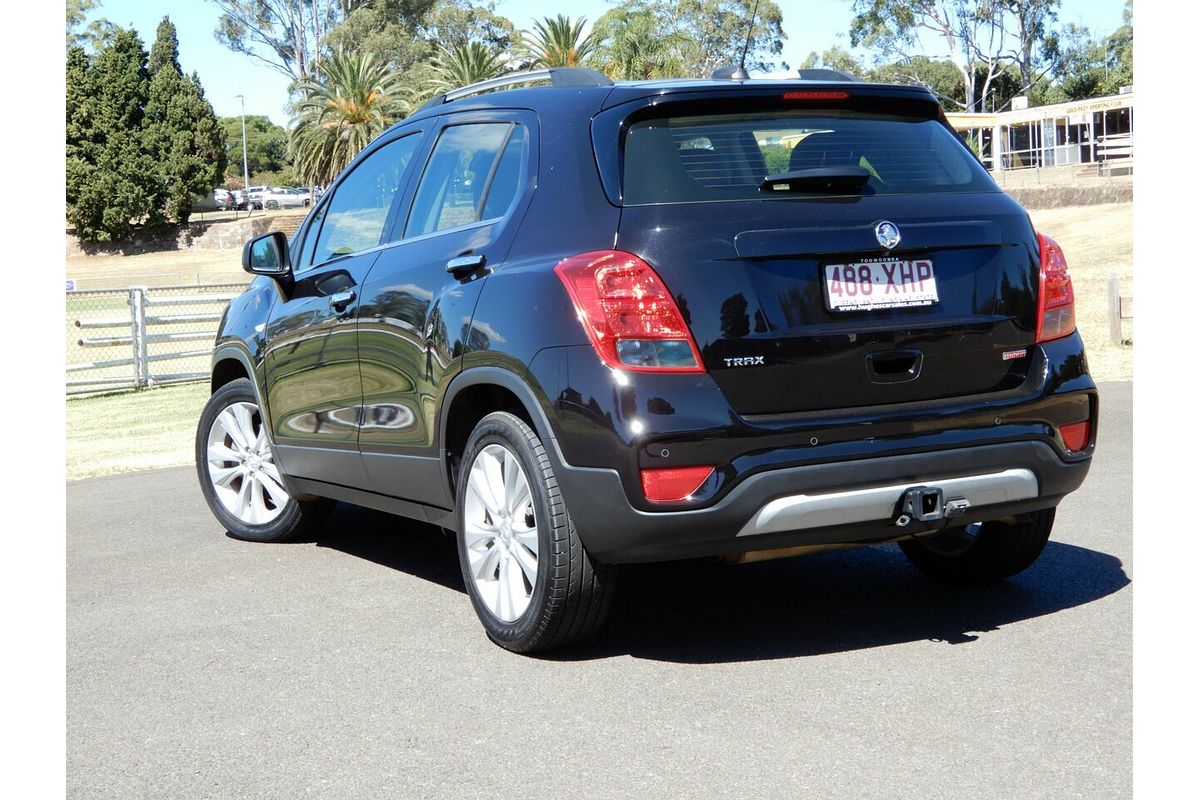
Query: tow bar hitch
926	504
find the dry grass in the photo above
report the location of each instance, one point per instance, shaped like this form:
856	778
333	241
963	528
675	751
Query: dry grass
168	268
131	431
1097	240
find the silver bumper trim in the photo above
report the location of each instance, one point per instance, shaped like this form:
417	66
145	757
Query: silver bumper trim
803	511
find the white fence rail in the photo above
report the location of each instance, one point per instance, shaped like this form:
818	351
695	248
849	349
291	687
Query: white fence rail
139	337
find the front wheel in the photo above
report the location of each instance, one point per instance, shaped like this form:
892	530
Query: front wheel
983	552
237	471
532	583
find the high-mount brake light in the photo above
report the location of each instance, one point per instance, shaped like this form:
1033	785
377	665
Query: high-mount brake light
628	314
816	95
1056	296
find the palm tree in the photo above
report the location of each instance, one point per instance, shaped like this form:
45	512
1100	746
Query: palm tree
353	101
557	42
632	46
464	64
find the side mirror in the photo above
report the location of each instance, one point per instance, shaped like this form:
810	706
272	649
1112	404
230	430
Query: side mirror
267	255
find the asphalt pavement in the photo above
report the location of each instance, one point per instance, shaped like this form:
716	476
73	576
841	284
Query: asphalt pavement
199	666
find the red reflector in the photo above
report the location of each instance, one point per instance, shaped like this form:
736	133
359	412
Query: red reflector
676	483
627	312
1076	435
1056	296
816	95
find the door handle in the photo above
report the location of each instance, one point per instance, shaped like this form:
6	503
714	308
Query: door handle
463	266
342	299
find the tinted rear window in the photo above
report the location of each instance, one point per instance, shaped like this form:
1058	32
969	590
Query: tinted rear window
725	157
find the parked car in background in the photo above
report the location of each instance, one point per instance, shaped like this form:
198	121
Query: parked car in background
585	325
224	199
252	198
285	198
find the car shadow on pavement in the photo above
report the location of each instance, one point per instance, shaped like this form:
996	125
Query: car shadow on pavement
707	612
421	550
704	611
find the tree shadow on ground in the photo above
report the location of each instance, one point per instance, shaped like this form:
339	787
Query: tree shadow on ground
703	611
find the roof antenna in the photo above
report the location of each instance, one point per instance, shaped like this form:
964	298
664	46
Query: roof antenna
740	74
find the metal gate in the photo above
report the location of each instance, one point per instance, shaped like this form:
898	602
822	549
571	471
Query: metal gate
139	337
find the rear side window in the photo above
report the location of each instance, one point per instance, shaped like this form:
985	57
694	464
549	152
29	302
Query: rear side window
726	157
472	175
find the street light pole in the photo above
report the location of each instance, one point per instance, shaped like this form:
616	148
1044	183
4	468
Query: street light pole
245	159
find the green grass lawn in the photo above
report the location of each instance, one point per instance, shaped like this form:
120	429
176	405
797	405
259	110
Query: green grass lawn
128	431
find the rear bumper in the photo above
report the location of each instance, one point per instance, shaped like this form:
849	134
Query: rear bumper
792	506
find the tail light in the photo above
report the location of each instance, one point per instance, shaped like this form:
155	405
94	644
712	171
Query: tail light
672	484
628	314
1056	297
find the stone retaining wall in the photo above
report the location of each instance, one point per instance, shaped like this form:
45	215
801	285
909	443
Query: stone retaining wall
1060	196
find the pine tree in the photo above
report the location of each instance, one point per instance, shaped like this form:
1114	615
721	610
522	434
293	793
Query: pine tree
111	181
182	132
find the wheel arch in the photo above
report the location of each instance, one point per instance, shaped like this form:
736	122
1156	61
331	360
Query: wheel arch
231	362
474	394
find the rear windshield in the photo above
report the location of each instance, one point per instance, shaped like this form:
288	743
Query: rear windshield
713	158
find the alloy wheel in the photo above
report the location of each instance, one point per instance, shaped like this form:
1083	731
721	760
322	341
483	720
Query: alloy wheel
501	532
242	468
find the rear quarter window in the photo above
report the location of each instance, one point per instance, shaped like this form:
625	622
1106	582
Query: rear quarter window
725	157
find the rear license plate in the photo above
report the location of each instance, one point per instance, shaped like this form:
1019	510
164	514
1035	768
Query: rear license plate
868	285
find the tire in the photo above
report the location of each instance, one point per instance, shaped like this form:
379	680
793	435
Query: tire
981	553
272	205
532	584
238	476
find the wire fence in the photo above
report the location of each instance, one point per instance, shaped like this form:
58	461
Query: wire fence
139	337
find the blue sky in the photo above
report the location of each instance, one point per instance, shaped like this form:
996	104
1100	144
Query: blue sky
809	26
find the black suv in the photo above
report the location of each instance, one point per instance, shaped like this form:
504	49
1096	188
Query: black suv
583	324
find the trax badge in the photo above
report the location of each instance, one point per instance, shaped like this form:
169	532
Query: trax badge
887	234
744	361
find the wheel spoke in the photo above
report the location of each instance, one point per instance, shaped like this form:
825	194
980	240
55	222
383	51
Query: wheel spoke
223	476
528	541
242	506
493	475
512	477
218	454
485	566
229	423
477	535
527	561
258	504
517	598
518	498
244	415
479	485
277	493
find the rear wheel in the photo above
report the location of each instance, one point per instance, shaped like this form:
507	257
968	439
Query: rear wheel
532	583
237	471
982	552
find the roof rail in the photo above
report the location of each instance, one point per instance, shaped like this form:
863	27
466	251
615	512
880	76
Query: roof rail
558	76
826	75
